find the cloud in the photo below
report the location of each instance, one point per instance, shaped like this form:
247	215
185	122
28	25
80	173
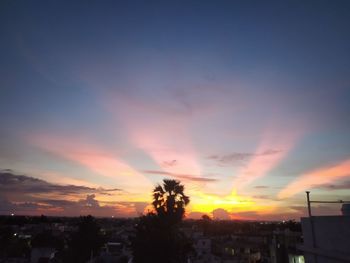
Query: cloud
262	197
240	158
170	163
22	184
319	210
261	187
186	177
341	186
58	202
5	205
222	214
82	206
21	194
317	178
88	205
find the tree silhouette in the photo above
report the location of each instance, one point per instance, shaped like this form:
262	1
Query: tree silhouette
85	242
158	238
169	200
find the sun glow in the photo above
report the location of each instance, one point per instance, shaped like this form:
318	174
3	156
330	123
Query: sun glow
206	203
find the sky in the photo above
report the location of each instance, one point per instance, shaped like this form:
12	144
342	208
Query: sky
245	102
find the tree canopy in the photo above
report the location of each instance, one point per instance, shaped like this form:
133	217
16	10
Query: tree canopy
158	238
169	200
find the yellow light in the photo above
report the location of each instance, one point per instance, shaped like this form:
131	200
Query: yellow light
207	202
232	203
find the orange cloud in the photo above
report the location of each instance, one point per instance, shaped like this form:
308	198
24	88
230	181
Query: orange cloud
316	178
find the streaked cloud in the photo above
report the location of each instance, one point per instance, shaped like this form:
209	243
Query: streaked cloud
22	184
171	163
261	187
185	177
240	158
340	186
84	206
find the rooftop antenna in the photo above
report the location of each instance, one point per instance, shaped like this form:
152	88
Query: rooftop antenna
309	202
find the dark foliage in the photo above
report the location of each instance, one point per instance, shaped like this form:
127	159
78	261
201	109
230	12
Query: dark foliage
157	241
47	239
169	201
85	242
11	245
158	238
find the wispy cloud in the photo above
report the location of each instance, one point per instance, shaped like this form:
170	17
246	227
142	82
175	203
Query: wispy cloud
341	186
240	158
171	163
84	206
262	197
261	187
317	210
186	177
316	178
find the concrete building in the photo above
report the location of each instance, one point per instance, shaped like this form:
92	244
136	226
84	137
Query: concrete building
326	239
283	247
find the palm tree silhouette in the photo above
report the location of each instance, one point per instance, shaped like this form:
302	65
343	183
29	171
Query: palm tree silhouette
158	237
169	200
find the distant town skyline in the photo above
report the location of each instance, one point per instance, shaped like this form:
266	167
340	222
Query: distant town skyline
245	102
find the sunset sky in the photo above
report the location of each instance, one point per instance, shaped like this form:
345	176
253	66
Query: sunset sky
247	103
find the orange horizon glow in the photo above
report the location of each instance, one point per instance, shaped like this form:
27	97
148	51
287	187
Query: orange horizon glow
232	203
